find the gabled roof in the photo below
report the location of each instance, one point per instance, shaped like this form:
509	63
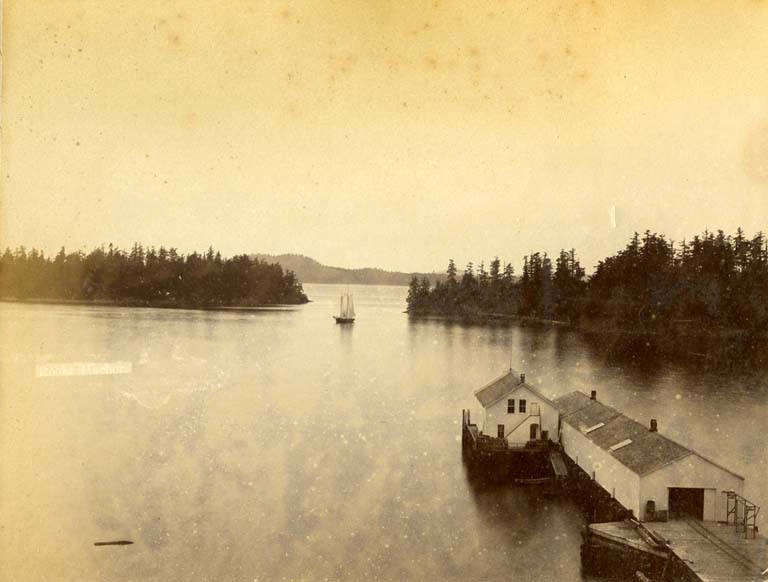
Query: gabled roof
503	385
648	451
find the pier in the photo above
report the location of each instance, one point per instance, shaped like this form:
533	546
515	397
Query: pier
527	463
681	549
657	510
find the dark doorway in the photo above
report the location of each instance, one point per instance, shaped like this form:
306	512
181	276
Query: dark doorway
686	501
500	431
534	431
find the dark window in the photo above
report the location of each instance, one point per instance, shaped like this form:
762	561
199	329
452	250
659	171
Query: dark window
511	406
522	405
500	429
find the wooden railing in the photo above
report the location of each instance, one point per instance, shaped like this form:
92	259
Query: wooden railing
741	513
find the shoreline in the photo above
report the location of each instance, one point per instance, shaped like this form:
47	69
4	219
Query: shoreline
720	347
481	318
154	305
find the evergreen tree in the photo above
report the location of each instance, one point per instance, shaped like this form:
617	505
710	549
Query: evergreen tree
451	272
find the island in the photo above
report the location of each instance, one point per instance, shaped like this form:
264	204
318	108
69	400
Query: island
705	298
147	277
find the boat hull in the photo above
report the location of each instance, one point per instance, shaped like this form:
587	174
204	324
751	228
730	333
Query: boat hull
344	319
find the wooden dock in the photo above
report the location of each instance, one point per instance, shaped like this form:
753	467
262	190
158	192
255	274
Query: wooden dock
661	479
495	459
714	551
616	543
707	551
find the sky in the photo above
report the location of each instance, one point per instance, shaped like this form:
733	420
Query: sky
381	133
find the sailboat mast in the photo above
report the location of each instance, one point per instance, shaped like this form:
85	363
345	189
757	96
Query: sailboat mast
346	306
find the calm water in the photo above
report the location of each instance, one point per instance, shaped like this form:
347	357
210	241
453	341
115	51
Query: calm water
276	445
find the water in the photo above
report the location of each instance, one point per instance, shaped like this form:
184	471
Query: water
276	445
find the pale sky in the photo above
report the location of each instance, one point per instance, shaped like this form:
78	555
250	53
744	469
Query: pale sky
375	133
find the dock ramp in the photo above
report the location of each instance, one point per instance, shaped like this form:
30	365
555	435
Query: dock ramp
558	465
710	551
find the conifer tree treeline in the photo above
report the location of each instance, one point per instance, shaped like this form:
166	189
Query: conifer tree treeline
715	280
147	276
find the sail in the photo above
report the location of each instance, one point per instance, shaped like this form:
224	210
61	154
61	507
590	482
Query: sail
346	307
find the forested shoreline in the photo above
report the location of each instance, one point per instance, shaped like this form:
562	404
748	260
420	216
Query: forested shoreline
153	277
713	284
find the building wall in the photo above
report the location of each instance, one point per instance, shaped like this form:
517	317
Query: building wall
516	425
612	476
695	472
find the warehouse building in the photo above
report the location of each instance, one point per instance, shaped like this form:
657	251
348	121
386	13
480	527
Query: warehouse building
648	473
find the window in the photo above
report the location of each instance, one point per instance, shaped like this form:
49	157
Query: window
522	405
511	406
500	431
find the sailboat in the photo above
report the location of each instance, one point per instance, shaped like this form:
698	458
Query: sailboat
346	309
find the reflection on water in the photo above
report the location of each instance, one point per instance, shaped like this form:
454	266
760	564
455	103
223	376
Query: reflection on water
279	445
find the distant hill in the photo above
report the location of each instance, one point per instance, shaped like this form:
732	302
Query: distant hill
310	271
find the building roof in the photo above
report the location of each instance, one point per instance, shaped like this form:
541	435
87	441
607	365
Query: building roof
503	385
647	452
576	406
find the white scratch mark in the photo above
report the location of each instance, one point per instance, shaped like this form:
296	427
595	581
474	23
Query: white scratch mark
83	369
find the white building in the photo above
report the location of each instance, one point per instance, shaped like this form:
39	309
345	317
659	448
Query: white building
636	464
516	411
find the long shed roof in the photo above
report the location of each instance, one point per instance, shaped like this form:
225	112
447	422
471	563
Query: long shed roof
647	451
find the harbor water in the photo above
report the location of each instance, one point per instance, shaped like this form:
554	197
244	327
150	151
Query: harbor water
277	445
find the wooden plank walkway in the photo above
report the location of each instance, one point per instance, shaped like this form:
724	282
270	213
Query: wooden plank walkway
558	465
714	552
624	533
